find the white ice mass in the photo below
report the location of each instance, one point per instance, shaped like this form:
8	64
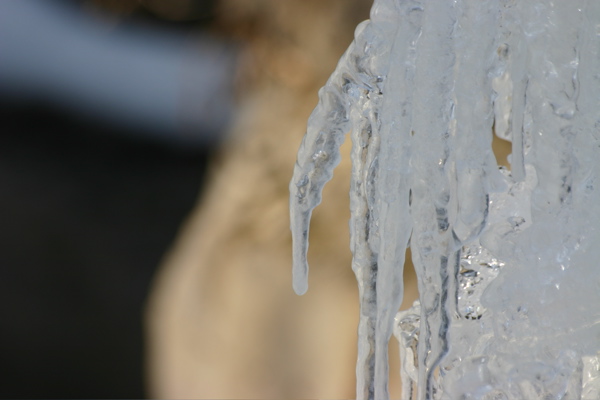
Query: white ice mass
506	260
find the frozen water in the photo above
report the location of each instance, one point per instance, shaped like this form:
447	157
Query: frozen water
506	260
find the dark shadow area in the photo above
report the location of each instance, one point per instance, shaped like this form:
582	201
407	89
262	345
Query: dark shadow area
85	216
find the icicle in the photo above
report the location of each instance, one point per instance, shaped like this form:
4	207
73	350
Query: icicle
432	239
317	157
392	196
422	87
364	233
358	83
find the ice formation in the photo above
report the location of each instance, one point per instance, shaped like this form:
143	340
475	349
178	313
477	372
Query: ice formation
506	260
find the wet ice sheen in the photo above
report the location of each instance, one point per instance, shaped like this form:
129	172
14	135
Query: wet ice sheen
506	260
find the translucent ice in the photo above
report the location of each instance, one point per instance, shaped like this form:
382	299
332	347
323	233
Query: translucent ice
506	260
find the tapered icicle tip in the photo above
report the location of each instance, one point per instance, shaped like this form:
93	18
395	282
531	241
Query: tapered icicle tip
300	277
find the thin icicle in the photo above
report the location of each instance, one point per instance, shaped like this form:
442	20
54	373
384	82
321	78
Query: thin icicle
392	196
357	85
329	122
431	240
363	231
364	263
317	157
365	115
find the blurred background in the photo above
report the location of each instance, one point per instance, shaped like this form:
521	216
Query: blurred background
99	164
145	151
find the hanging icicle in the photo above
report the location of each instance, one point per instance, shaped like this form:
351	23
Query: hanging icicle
509	288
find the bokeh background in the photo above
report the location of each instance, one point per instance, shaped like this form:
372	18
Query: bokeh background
90	198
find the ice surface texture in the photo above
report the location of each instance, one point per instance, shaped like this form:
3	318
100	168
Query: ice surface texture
506	260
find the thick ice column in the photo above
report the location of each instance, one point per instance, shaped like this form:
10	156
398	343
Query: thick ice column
506	260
